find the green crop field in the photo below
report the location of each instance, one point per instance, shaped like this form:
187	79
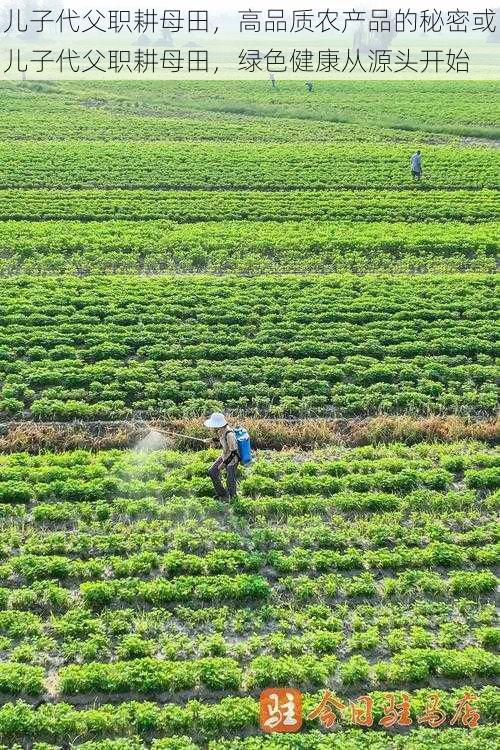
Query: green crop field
172	249
360	569
108	348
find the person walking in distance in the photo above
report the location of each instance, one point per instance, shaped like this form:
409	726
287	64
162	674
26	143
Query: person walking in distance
416	165
229	459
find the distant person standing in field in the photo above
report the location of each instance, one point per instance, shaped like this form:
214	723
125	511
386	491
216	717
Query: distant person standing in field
416	165
273	80
309	86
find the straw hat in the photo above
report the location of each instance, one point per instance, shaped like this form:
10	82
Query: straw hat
216	420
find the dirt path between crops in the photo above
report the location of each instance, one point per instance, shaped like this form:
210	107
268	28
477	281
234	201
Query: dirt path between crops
469	141
267	433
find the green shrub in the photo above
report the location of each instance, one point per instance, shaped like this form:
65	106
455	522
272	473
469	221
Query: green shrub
464	582
21	678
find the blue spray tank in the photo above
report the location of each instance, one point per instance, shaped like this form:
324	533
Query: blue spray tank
244	445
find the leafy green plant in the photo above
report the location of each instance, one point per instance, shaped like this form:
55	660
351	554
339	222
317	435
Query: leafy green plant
355	670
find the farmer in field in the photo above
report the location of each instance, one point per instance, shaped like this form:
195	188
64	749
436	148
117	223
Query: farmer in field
416	165
229	459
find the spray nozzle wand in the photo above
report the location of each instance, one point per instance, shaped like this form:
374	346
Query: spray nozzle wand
170	433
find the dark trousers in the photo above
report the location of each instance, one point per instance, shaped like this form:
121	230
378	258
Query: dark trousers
214	474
